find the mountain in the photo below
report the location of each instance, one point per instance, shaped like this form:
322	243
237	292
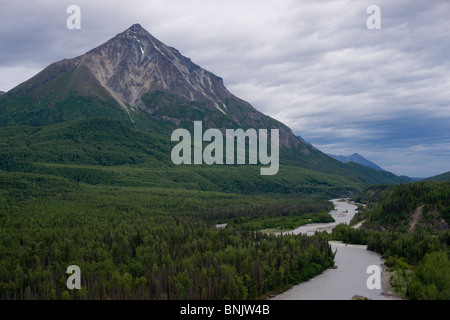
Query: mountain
2	93
130	74
356	158
137	84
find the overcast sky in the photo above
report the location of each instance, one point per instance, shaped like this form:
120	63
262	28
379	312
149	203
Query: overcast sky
314	65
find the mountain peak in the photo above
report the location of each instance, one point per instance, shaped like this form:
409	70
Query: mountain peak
136	26
134	64
137	29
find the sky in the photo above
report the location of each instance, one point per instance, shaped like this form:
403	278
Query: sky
314	65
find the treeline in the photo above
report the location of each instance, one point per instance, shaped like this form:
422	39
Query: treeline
286	215
392	245
408	226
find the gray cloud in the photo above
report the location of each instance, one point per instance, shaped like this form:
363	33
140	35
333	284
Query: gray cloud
313	65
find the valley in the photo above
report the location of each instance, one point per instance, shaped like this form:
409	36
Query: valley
348	276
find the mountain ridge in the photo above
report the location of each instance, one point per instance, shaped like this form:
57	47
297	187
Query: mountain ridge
357	158
439	177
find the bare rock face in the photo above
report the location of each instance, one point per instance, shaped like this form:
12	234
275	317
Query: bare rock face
134	64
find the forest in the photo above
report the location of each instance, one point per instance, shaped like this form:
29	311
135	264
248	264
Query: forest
147	243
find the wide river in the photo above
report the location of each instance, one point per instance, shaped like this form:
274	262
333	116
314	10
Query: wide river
350	277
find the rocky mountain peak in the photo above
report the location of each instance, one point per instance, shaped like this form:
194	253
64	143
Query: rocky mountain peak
134	63
137	28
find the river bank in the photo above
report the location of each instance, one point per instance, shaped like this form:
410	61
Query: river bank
349	277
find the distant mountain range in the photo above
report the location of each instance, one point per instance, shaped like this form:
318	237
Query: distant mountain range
2	93
356	158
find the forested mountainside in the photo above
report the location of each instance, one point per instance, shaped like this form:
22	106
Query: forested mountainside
409	225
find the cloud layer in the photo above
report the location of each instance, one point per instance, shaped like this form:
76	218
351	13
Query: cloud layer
313	65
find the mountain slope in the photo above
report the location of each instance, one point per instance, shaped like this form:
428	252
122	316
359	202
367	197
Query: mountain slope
108	152
408	205
440	177
59	93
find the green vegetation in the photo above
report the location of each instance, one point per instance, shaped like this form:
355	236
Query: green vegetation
425	203
137	157
103	194
431	280
283	215
409	227
141	243
64	97
374	194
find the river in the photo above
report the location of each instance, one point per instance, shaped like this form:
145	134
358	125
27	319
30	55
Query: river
350	276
